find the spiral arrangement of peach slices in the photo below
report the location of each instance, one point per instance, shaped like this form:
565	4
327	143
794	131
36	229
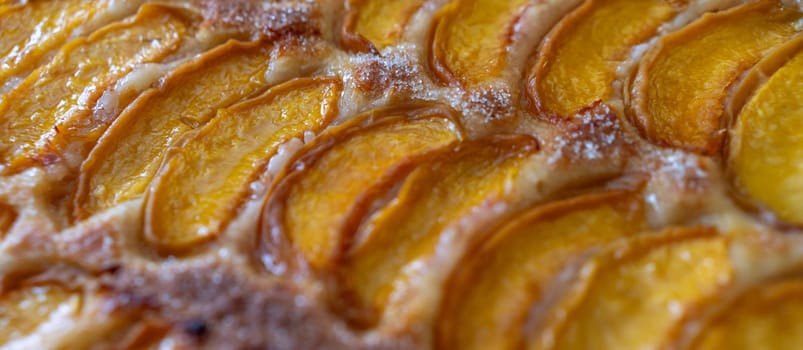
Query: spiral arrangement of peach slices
406	215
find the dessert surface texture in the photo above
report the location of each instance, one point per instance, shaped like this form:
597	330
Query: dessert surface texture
401	174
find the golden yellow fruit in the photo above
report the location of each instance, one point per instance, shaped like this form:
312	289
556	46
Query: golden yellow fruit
765	151
32	31
639	293
352	160
470	40
769	316
24	309
577	64
128	155
432	198
490	296
56	97
376	24
206	177
679	92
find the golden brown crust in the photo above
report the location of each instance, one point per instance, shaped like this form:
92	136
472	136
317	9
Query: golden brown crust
261	20
212	305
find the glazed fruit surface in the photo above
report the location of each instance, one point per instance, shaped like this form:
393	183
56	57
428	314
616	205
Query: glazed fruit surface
433	174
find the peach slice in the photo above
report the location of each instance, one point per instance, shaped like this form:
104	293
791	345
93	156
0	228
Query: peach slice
23	310
345	169
678	94
19	23
201	184
127	156
434	196
634	296
376	24
515	266
758	75
29	32
48	315
470	39
577	64
768	317
67	88
765	153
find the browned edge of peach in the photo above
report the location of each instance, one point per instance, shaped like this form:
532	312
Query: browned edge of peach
148	206
125	118
272	237
461	277
636	109
544	56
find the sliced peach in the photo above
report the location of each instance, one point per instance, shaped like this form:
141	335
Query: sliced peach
67	88
19	23
29	32
129	153
679	91
201	184
432	198
634	296
47	315
765	151
768	317
515	266
346	168
24	309
470	39
577	64
758	75
380	23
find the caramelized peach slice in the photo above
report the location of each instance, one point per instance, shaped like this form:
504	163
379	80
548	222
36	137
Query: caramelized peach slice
516	265
769	317
200	186
758	75
432	198
679	91
634	296
67	88
346	168
51	316
24	309
127	156
577	64
29	32
379	22
766	151
19	23
470	39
